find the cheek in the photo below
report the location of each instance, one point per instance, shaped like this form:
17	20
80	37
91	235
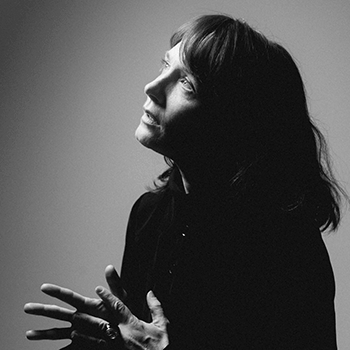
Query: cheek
185	118
187	130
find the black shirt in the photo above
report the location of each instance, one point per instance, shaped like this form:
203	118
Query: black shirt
229	276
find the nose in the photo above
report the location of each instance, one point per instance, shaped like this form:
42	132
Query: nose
156	90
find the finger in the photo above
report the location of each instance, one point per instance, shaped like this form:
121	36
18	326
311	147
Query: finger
156	310
87	324
115	282
84	304
49	334
84	342
66	295
121	313
51	311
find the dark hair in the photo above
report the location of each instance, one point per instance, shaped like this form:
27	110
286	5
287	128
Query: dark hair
269	143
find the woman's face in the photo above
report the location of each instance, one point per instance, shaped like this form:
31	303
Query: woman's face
171	123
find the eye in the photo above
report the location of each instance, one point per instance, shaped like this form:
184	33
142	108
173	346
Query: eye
164	65
188	86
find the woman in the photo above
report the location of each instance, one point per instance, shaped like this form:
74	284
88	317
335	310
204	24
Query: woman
229	240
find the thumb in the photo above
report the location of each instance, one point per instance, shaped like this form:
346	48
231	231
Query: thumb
156	310
114	282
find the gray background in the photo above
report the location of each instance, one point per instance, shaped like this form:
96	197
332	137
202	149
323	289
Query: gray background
72	76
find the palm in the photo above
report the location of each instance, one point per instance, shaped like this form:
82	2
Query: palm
91	319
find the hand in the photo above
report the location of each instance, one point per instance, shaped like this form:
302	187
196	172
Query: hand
137	334
88	322
93	317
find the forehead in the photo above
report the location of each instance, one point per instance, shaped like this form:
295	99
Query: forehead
175	56
174	52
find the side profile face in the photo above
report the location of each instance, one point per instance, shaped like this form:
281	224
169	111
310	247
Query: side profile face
172	112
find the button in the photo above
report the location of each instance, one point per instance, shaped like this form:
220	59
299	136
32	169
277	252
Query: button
173	267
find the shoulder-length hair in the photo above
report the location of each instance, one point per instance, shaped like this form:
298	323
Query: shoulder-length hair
270	147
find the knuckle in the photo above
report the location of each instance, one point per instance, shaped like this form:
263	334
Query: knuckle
103	326
100	307
75	316
118	305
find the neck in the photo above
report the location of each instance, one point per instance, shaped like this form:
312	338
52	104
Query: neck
200	178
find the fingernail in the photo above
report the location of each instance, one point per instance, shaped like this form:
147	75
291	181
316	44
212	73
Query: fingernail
74	334
99	290
30	335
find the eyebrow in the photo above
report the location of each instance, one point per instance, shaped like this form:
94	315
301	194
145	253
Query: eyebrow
184	67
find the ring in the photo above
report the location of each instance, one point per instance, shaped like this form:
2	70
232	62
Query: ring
111	333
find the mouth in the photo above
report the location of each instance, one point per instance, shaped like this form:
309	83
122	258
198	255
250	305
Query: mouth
149	118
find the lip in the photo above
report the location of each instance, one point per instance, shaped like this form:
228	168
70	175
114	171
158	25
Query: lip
149	118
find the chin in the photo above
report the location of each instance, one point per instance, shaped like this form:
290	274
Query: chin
143	136
153	141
